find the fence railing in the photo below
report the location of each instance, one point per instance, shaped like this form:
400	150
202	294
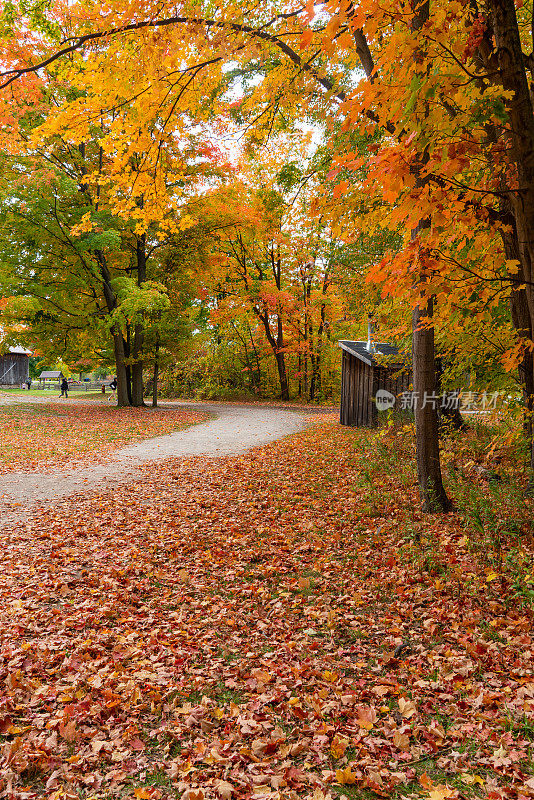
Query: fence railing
73	387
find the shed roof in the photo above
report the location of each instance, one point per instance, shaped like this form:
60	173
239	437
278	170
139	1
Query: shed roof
51	373
20	351
359	349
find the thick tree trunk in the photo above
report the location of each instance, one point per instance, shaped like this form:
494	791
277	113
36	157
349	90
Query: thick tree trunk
155	374
120	368
127	353
426	412
431	488
282	376
139	333
137	366
522	321
512	73
523	325
276	345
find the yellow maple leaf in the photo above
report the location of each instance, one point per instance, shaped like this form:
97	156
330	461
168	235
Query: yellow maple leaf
345	776
441	792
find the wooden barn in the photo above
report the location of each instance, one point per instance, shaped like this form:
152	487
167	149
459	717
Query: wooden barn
367	367
14	366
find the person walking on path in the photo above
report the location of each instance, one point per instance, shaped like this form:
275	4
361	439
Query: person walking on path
64	388
113	387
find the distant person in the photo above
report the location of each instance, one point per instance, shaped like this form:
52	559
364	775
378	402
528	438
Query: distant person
113	387
64	388
29	384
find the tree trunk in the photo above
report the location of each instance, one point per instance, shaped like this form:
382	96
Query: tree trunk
282	376
317	365
155	374
522	321
431	489
139	333
523	324
276	345
257	381
127	353
520	153
426	413
137	366
120	368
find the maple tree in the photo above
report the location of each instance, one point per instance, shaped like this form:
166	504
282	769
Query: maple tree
75	266
281	288
272	264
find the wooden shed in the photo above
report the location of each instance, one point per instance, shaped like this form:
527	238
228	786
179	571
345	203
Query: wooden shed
14	366
367	367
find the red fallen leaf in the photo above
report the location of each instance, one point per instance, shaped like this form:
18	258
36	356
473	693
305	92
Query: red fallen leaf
136	744
5	723
68	731
298	711
295	776
374	782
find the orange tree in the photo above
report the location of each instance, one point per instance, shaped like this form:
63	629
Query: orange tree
278	268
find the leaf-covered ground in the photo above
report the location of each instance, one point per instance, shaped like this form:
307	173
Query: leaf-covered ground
281	624
66	434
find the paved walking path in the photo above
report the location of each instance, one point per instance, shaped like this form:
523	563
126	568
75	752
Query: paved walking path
234	429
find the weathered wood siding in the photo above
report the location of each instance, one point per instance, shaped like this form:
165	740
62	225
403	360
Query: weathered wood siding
393	381
359	385
356	392
14	369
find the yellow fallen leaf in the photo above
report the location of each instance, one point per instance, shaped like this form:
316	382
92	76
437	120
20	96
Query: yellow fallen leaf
345	776
330	677
441	792
407	707
471	779
401	741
